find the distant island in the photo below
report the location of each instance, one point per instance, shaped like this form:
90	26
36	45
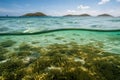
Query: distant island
86	15
34	14
37	14
105	15
78	15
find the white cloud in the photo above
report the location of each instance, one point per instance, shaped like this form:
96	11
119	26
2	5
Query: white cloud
71	11
103	2
82	7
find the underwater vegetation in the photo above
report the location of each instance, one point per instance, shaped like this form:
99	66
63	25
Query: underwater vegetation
3	48
68	61
59	38
7	43
2	52
114	39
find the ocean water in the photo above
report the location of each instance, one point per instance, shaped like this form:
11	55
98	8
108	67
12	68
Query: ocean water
60	48
37	24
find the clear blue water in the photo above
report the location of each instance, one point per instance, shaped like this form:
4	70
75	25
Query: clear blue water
60	48
82	31
37	24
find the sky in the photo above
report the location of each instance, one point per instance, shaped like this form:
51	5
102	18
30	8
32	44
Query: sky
59	7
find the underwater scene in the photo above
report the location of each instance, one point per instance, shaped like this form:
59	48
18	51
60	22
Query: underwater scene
60	48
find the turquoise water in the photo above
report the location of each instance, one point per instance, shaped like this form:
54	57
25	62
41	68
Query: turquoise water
37	24
60	48
110	40
82	30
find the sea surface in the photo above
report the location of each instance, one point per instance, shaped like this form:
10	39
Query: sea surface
37	24
60	48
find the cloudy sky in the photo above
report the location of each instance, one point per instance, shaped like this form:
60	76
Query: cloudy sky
59	7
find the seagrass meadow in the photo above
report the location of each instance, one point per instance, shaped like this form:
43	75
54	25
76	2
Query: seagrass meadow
60	55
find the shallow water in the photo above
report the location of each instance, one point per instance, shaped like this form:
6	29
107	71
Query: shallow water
52	53
109	40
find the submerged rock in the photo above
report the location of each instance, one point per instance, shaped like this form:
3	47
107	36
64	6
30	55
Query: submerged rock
79	60
53	68
28	59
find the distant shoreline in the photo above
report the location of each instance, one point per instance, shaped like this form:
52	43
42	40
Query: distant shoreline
52	16
40	14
